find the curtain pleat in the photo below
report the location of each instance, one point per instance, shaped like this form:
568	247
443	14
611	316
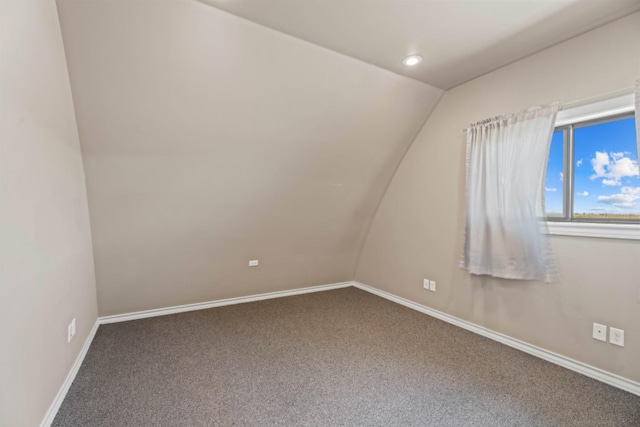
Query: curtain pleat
637	113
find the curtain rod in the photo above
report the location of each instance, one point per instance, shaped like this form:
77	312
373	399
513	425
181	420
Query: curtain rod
627	90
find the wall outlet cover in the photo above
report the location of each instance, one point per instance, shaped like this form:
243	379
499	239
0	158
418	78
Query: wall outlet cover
616	336
71	330
600	332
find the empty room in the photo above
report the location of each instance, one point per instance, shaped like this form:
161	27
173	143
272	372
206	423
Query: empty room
319	213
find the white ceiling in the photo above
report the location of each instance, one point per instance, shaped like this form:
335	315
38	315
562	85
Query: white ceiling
459	39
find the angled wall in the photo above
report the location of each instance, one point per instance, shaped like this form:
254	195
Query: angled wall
209	141
417	232
46	274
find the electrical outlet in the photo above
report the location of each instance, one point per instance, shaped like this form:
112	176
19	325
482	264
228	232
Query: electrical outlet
616	336
71	330
425	284
599	332
432	285
253	263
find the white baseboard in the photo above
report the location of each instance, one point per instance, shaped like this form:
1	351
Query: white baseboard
574	365
62	393
64	389
218	303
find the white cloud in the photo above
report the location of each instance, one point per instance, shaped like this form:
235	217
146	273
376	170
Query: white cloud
599	162
579	163
631	190
624	167
612	169
550	189
629	197
561	176
584	193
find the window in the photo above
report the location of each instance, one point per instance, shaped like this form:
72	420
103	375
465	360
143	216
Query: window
592	176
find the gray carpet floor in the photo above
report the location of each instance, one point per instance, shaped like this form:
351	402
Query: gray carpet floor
336	358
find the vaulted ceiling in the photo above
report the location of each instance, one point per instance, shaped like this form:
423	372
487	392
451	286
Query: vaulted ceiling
209	140
459	39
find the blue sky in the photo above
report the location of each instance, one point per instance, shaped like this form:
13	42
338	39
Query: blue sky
607	179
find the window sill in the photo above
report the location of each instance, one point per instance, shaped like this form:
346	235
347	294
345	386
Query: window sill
590	229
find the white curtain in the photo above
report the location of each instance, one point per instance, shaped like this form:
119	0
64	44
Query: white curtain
638	115
506	165
638	134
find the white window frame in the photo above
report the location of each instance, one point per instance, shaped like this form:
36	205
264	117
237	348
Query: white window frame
610	107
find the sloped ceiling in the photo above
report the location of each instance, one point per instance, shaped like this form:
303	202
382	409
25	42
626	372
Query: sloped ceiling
209	141
459	39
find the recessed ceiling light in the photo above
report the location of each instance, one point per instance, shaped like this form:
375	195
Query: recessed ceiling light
412	60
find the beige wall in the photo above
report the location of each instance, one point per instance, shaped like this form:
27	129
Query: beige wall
416	232
47	276
209	141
